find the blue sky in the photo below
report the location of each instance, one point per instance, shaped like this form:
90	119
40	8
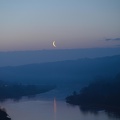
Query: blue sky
34	24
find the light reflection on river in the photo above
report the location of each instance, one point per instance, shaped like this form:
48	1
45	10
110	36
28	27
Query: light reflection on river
49	110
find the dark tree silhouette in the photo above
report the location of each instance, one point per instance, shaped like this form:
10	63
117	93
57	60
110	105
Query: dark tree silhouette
4	115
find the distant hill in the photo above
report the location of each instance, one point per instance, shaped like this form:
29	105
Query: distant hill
81	70
16	58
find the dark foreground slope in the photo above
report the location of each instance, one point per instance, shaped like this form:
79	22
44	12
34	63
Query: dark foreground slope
82	70
4	115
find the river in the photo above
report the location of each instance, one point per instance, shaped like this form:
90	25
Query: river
47	106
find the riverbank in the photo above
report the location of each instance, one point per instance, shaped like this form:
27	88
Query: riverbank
16	91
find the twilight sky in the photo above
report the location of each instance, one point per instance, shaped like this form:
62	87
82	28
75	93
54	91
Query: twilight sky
34	24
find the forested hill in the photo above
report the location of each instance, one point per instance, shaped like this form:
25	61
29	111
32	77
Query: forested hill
83	70
102	93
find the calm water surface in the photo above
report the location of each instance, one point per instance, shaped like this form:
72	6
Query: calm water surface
50	110
48	107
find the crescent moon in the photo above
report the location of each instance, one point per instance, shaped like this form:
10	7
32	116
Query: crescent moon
54	44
